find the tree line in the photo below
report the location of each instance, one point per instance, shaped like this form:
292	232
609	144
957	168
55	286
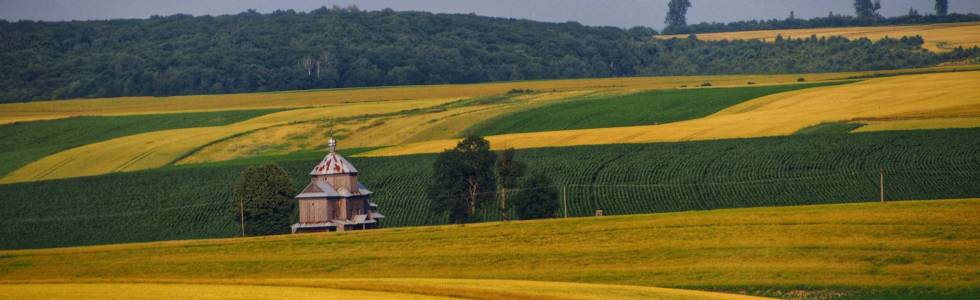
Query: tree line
347	47
866	13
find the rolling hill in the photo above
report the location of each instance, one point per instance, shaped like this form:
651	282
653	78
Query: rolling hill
191	201
889	103
896	250
416	124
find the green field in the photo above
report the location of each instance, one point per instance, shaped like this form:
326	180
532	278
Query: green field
190	201
645	108
25	142
896	250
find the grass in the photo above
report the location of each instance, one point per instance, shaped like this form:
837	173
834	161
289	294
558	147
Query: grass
29	141
829	128
927	248
389	288
258	160
938	37
191	201
943	97
186	291
646	108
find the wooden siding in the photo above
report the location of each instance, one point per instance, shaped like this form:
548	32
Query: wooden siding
342	181
314	210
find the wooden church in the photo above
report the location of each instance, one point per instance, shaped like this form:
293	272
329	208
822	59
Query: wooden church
334	200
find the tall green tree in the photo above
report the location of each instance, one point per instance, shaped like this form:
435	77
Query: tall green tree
913	12
263	200
537	199
867	8
942	8
677	13
463	179
509	171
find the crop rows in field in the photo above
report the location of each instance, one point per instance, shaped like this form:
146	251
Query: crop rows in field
189	202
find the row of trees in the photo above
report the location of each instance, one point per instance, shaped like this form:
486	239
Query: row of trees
330	48
470	176
866	13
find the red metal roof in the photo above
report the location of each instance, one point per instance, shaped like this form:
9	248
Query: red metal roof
332	164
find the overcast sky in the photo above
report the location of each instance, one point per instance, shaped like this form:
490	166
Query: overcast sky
621	13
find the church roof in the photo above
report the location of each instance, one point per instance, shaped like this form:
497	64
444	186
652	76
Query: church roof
322	189
318	189
332	164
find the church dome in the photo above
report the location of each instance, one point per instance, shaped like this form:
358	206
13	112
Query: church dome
333	163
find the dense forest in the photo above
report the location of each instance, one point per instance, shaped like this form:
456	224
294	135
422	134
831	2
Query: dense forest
346	47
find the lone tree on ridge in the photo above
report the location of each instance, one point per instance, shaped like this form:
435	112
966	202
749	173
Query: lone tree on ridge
677	13
942	8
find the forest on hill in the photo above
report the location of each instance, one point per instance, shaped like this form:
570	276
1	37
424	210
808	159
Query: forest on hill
347	47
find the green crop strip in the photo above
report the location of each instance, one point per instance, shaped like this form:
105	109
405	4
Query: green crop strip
646	108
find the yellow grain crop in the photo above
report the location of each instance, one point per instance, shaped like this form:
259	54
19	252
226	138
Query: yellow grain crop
928	244
150	291
938	37
343	289
42	110
924	96
159	148
369	132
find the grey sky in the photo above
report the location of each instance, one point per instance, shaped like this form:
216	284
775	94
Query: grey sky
621	13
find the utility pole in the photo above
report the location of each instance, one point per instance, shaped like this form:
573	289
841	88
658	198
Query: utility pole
881	183
241	211
564	199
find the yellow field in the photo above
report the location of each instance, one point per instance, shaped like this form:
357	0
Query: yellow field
369	132
945	99
908	244
938	37
43	110
342	289
160	148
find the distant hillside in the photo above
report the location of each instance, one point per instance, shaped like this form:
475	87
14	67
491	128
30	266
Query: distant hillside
329	48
